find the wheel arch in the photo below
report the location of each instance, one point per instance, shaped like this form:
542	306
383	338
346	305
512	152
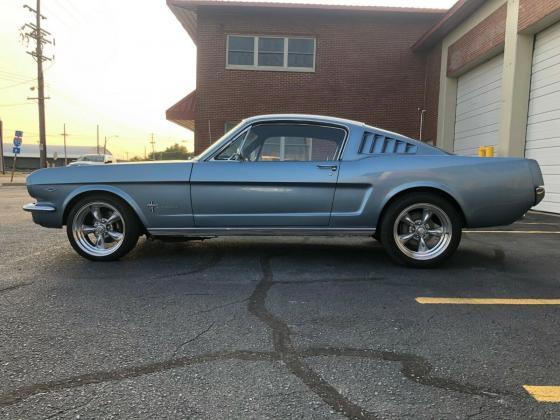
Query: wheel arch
84	191
442	192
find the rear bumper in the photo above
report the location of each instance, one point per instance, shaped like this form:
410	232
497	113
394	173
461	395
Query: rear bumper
539	194
42	208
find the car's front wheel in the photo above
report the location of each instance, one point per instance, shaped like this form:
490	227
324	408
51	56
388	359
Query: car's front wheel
421	230
102	228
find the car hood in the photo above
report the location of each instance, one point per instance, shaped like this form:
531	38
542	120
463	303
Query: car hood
137	172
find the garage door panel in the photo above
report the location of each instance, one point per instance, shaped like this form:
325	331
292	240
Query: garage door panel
545	77
543	130
478	107
546	62
472	143
541	144
545	156
477	102
543	122
543	104
485	119
479	111
549	92
548	206
482	85
493	66
553	114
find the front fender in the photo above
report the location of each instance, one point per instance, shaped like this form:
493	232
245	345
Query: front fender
102	188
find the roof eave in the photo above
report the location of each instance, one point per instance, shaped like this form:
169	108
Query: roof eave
186	10
453	18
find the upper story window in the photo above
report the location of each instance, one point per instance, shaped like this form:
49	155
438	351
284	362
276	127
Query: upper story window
270	53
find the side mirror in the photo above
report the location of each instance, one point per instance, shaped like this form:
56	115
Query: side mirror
238	156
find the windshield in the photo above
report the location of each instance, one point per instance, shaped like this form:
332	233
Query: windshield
91	158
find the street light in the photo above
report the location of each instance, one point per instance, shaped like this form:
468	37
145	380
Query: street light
105	144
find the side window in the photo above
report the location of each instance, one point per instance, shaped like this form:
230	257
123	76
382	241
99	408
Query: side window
292	142
231	152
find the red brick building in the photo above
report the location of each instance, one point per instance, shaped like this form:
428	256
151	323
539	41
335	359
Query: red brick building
350	62
483	73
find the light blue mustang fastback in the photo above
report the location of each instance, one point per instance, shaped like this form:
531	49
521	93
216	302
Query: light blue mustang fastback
291	175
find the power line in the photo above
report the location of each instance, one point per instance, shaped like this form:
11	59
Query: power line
18	104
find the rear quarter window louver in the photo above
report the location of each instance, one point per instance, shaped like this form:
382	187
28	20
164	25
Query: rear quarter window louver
378	144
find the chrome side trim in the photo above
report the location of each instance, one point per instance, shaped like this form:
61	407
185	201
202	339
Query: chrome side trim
261	231
38	207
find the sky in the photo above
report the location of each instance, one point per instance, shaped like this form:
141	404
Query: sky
118	64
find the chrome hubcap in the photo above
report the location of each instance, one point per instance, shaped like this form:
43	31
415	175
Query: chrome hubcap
98	228
422	231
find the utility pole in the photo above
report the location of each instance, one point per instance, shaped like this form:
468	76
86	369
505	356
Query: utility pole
2	148
39	35
153	143
97	138
65	134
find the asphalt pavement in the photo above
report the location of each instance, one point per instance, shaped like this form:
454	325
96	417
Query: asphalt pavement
252	328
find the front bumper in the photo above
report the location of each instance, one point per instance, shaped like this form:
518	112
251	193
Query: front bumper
42	208
539	194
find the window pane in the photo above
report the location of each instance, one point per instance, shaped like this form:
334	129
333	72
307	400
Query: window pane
300	60
271	52
240	58
294	142
301	45
301	52
241	43
271	149
271	59
230	151
271	45
240	50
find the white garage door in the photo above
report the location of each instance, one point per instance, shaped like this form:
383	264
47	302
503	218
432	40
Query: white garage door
477	118
543	124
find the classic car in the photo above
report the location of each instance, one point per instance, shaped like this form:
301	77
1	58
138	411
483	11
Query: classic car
85	160
291	175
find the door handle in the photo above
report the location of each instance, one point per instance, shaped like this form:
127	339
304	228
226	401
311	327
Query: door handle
332	168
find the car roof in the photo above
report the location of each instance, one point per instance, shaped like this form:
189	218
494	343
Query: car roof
322	119
302	117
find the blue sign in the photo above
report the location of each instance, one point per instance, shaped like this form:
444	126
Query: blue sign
17	141
16	150
19	133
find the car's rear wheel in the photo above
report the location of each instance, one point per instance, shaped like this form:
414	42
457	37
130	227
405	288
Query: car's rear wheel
421	230
101	227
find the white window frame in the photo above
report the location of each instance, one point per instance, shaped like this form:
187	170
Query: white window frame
255	65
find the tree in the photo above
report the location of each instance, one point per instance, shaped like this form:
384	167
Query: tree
175	152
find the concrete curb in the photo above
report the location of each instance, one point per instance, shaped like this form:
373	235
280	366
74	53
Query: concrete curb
12	184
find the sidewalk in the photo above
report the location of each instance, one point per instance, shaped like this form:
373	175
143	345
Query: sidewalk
19	179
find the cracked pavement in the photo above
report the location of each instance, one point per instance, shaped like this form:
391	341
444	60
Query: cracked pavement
273	328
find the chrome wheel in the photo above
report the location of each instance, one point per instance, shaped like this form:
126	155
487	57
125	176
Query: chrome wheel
98	229
422	231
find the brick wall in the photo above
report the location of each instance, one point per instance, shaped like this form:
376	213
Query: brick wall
481	41
531	12
365	69
431	100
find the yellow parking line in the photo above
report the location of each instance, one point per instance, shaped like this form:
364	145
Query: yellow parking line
484	301
544	393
